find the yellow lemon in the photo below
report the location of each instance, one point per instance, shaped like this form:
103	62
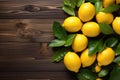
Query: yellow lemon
97	68
72	61
105	57
72	24
99	79
79	43
117	1
116	25
91	29
87	60
106	3
86	11
104	17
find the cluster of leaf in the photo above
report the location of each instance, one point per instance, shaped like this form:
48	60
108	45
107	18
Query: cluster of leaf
108	38
62	41
111	72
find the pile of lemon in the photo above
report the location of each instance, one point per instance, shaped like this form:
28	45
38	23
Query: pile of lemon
86	25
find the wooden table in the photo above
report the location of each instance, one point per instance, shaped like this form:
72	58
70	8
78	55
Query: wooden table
25	32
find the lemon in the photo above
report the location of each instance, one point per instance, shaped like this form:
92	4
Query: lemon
91	29
87	60
99	79
117	1
116	25
79	43
97	68
72	24
104	17
72	61
86	11
105	57
119	64
106	3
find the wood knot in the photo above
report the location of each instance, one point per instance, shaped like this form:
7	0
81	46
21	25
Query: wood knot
24	30
32	8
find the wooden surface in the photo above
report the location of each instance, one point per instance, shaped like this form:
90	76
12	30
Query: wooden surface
25	32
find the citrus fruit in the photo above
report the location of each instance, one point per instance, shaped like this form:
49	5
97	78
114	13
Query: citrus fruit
117	1
116	25
97	68
72	61
79	43
86	11
106	3
72	24
105	57
91	29
104	17
99	79
87	60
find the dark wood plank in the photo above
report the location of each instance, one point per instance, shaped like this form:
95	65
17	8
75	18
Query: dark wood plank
37	50
44	65
31	9
37	76
26	30
26	57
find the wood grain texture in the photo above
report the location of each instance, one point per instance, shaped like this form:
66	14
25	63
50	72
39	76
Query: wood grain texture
25	32
31	9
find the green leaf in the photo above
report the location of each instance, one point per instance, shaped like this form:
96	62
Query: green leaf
59	54
59	31
68	9
104	72
86	74
111	42
117	59
111	8
115	73
73	3
117	49
57	43
98	6
69	41
106	28
80	2
93	1
66	2
95	45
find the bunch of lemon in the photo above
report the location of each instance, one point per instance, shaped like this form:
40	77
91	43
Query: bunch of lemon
86	25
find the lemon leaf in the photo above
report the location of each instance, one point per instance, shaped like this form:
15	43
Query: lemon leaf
106	28
80	2
66	2
56	43
98	6
59	31
95	45
59	54
117	49
86	74
69	41
115	73
117	59
111	8
93	1
68	9
111	42
104	72
73	3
